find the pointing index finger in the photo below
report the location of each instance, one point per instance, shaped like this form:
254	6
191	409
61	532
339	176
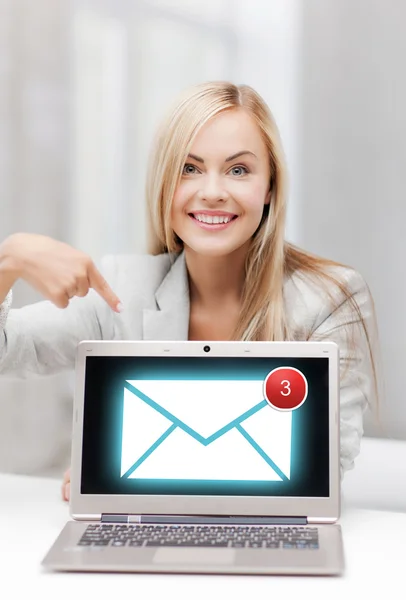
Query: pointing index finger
100	285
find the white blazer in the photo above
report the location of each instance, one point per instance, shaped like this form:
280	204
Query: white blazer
41	339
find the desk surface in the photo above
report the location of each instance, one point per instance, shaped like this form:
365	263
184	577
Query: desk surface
374	542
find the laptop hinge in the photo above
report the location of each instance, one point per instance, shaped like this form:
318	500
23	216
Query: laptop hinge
111	518
221	520
202	520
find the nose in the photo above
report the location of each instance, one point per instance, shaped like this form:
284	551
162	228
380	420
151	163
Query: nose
212	190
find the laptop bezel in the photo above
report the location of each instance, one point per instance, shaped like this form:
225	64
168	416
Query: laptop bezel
92	506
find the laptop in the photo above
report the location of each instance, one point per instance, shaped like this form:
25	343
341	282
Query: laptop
216	457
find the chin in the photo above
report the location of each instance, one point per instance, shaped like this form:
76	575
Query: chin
214	250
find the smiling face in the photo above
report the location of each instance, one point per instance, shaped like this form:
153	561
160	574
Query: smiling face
219	202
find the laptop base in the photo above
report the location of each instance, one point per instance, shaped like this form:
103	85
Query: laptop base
67	555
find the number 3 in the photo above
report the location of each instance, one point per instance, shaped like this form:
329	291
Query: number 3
287	388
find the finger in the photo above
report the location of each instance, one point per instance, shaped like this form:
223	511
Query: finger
71	292
60	299
100	285
82	287
64	490
66	476
67	492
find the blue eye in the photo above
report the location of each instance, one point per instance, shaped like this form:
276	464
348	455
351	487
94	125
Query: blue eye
240	171
189	169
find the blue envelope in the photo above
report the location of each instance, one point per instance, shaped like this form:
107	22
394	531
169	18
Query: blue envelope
203	430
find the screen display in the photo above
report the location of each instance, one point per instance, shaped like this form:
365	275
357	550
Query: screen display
240	426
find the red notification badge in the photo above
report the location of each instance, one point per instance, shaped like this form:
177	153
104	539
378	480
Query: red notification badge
285	388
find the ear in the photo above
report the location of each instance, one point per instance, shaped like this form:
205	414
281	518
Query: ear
268	197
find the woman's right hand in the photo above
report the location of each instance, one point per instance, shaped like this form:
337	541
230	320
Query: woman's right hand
55	269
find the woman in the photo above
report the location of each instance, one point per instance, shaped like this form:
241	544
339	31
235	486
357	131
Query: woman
219	267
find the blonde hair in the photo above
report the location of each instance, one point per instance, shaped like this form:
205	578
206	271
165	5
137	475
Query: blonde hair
270	258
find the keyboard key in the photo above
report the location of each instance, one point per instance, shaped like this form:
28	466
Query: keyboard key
118	542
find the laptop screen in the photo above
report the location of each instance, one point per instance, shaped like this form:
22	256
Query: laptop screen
217	426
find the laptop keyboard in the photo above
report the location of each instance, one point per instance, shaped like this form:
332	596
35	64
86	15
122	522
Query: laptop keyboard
200	536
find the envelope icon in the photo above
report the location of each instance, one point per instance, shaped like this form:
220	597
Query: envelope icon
203	430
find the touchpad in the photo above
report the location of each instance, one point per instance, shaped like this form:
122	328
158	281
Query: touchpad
190	556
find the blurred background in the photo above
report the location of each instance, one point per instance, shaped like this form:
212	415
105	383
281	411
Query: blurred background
83	85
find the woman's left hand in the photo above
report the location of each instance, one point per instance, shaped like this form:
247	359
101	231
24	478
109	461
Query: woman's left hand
66	486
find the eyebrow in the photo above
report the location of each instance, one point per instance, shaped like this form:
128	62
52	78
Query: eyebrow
230	158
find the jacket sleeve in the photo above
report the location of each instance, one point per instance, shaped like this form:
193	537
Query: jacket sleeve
344	326
41	339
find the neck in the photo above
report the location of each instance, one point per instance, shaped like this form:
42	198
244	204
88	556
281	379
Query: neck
215	279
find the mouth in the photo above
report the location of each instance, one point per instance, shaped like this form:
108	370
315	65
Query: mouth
213	220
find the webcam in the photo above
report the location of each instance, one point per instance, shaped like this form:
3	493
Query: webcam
206	348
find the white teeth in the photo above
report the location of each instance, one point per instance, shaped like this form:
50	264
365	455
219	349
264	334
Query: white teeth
212	220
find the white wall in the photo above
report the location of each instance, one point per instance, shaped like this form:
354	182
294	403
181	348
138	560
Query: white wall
35	416
353	132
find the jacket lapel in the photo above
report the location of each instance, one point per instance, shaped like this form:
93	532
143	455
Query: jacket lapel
170	320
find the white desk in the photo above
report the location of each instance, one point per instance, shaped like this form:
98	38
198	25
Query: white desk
32	515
